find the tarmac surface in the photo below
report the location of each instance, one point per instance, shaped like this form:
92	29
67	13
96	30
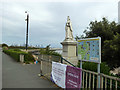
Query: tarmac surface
18	75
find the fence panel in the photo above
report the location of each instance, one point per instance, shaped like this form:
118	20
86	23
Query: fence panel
89	78
46	64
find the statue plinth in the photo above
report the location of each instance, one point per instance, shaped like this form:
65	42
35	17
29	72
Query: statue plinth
69	51
69	48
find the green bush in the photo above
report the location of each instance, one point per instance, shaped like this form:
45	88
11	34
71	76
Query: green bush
93	67
29	57
16	49
15	53
49	52
4	45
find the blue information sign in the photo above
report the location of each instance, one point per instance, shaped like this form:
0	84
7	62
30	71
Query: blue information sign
90	49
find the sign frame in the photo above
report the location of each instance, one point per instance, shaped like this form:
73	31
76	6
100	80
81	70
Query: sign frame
98	62
90	39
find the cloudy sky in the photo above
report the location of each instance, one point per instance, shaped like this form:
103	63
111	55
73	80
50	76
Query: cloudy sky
48	18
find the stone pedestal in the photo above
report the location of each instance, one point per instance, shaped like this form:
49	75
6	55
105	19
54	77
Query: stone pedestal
69	51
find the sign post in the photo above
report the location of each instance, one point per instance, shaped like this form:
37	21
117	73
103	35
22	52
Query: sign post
89	49
98	70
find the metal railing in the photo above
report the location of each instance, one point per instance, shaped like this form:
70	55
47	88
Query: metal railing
89	78
62	59
46	64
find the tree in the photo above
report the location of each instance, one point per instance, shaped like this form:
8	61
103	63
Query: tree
77	37
4	45
112	51
110	39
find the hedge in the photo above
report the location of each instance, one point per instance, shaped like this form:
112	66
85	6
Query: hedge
104	68
15	53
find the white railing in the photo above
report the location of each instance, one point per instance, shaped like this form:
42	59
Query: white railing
90	80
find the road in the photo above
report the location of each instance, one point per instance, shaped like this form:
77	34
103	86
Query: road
17	75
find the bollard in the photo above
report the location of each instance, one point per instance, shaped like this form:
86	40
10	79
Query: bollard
21	58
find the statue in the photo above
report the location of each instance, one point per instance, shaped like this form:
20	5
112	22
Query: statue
68	28
69	44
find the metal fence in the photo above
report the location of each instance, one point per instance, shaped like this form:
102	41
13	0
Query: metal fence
89	78
46	64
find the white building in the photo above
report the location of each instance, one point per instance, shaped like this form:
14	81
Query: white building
119	12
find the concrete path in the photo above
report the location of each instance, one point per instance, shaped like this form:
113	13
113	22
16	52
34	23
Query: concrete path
17	75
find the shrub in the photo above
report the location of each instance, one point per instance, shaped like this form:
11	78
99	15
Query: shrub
15	53
93	67
28	57
49	52
16	49
4	45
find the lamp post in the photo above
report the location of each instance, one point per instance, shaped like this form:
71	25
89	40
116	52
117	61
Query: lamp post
27	30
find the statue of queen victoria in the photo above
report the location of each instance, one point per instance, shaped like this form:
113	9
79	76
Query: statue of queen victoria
68	28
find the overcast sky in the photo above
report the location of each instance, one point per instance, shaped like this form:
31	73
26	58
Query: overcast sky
47	19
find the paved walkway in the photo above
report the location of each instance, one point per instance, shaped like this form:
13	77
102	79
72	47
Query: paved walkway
17	75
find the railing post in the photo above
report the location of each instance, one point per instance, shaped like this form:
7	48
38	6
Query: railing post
116	84
41	65
111	84
93	81
101	82
83	80
105	83
89	80
61	60
86	79
49	68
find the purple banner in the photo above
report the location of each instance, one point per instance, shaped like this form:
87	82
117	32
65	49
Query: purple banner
73	77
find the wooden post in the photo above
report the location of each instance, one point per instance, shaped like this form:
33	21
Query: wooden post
86	79
83	79
41	66
101	82
116	84
89	80
93	81
105	83
110	83
49	66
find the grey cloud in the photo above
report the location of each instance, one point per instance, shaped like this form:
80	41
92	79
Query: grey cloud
47	20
